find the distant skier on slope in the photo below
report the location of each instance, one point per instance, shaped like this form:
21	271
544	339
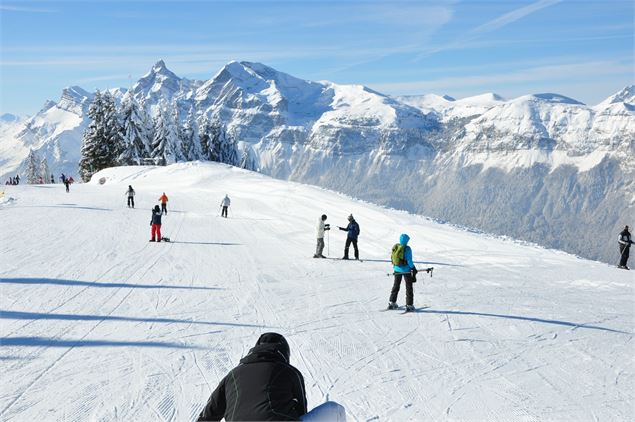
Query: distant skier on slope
352	234
155	223
67	183
401	258
52	179
264	387
164	203
130	193
321	228
225	203
624	240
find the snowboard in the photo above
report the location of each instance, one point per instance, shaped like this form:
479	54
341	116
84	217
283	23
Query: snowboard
326	412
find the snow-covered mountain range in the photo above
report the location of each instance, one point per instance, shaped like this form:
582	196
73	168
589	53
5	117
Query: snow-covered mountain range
544	167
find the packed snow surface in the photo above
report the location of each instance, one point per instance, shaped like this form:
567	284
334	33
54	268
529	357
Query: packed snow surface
99	324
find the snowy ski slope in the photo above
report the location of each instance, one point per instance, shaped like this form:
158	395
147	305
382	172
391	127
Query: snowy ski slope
99	324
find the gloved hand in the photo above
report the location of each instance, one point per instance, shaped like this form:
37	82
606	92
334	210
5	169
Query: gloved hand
414	271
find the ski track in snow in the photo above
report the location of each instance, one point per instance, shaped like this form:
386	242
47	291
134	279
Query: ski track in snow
98	323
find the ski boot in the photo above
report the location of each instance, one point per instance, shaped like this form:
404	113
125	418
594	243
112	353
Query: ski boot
410	308
392	305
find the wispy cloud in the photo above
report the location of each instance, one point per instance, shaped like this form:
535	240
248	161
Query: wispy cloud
513	16
9	8
487	27
550	74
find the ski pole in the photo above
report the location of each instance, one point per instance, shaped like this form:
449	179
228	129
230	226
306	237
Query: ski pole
328	242
427	270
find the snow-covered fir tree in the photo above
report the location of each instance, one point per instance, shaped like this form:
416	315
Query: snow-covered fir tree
32	168
103	141
136	136
92	150
216	143
166	148
189	138
204	137
228	148
246	160
113	132
44	170
215	133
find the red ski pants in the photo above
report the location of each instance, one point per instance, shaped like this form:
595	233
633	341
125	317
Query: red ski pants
156	230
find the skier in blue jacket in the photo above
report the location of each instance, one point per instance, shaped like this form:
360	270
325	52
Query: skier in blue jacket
403	268
352	234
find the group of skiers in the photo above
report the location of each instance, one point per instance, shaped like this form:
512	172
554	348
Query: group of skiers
13	181
67	181
352	233
401	258
158	212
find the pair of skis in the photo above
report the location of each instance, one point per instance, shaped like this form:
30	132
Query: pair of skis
404	311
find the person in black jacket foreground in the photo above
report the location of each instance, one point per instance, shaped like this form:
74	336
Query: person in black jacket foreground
263	387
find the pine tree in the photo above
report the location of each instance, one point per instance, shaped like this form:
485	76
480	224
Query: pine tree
215	132
44	170
246	161
114	142
166	145
158	141
227	147
189	138
216	143
136	136
176	135
92	153
204	138
32	167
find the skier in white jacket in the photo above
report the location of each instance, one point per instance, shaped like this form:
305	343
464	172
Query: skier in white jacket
225	203
320	229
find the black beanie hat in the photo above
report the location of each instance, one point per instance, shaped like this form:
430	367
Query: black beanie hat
275	338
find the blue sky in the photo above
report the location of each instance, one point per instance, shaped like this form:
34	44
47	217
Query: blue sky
580	48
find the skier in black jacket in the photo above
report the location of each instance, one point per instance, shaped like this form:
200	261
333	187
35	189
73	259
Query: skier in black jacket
263	387
353	232
625	242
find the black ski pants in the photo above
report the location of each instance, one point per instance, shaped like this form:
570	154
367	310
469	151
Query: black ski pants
164	209
624	250
397	284
131	201
224	212
348	244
